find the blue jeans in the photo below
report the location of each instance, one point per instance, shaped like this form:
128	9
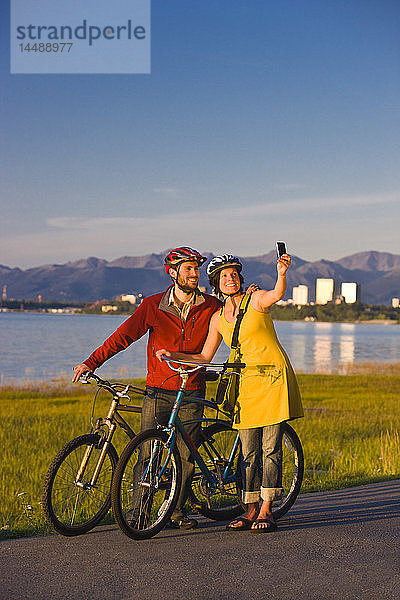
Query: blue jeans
157	405
261	463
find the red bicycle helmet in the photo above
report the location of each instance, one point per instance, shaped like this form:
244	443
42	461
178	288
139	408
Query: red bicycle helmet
182	254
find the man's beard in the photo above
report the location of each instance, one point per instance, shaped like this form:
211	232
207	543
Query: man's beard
184	288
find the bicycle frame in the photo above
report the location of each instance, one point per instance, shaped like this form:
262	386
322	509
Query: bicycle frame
211	478
112	420
175	424
146	484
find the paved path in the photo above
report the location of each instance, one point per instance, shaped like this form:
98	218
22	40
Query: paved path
334	545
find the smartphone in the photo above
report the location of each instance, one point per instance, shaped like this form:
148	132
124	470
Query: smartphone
280	249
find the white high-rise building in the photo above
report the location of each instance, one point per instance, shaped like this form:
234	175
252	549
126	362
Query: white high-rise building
395	302
324	291
300	295
131	298
350	292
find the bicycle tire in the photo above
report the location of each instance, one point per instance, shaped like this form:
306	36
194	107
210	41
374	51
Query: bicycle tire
292	471
292	475
141	502
221	503
70	509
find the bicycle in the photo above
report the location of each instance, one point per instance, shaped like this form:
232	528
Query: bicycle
147	479
77	487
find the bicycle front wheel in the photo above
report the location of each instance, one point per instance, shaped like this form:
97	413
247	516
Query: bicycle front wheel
75	504
146	484
221	501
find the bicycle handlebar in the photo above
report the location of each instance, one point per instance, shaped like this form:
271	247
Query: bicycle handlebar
113	387
84	378
110	387
196	366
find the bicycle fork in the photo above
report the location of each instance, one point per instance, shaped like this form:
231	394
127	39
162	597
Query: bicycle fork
108	421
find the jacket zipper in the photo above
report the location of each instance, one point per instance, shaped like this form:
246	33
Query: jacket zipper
191	331
192	327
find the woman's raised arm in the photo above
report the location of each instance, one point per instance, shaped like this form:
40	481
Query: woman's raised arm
263	299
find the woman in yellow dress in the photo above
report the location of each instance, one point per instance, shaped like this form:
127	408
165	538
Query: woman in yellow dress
268	389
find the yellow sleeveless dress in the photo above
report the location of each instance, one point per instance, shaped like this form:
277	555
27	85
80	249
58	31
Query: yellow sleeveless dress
268	389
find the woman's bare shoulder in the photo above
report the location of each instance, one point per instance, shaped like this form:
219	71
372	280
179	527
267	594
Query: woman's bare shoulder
260	300
215	318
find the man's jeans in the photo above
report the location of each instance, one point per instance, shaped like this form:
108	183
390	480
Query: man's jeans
261	463
157	405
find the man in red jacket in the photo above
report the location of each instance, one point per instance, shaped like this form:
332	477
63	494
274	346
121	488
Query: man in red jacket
176	319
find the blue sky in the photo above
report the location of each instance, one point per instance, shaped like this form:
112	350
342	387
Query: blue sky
260	120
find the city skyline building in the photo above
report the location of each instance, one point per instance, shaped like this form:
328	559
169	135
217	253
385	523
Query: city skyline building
350	292
131	298
324	289
300	295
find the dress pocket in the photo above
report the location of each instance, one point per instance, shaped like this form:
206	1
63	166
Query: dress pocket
273	374
270	375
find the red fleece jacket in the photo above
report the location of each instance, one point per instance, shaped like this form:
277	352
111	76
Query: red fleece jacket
166	330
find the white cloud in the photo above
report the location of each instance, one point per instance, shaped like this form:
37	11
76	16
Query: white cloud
77	223
166	190
249	212
313	227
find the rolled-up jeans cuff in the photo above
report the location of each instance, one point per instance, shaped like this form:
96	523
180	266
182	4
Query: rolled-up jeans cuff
250	497
271	494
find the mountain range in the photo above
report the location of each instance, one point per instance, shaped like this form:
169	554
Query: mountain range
90	279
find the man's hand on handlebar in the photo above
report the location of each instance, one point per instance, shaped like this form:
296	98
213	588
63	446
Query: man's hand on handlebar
161	353
79	370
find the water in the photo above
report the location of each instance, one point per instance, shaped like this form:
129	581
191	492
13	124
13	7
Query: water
324	347
46	346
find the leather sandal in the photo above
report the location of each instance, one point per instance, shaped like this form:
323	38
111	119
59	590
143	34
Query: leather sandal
271	526
246	524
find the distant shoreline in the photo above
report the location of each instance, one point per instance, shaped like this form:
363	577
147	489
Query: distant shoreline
115	314
372	322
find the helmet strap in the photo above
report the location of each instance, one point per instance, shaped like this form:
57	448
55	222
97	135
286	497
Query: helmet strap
234	294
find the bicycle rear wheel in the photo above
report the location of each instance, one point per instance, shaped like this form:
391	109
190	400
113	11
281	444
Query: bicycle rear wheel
146	484
224	503
292	471
74	508
220	502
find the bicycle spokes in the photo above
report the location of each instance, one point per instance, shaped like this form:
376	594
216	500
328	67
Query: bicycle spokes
146	485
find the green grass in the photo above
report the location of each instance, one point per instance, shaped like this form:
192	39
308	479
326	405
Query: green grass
350	436
37	421
350	432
